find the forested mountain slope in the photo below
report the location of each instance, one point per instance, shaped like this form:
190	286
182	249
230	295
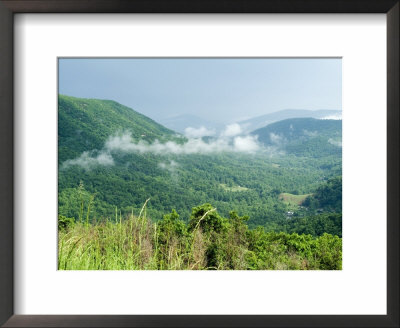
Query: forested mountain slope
85	124
304	136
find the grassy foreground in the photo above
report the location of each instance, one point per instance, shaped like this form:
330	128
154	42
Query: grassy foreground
207	241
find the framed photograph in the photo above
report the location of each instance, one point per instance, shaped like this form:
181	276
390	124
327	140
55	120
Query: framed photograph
199	164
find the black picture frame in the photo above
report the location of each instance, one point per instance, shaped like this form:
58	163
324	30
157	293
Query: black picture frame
10	7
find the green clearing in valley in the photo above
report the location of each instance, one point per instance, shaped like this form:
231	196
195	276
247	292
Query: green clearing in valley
291	199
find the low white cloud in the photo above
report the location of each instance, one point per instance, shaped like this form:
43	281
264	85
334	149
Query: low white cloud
198	132
232	130
247	144
88	160
171	166
125	143
276	139
336	143
332	117
310	133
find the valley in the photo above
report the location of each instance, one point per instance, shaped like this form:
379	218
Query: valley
114	159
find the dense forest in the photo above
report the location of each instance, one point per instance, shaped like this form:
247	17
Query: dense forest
305	137
112	160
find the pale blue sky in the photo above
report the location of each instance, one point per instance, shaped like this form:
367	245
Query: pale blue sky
217	89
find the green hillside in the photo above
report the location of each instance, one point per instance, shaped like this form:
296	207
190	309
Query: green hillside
327	197
85	124
304	136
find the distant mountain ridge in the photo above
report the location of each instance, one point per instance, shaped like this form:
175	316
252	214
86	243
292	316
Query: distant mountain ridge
181	122
263	120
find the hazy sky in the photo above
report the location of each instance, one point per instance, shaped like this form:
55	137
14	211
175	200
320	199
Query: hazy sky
216	89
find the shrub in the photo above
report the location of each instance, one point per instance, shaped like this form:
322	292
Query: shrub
64	222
